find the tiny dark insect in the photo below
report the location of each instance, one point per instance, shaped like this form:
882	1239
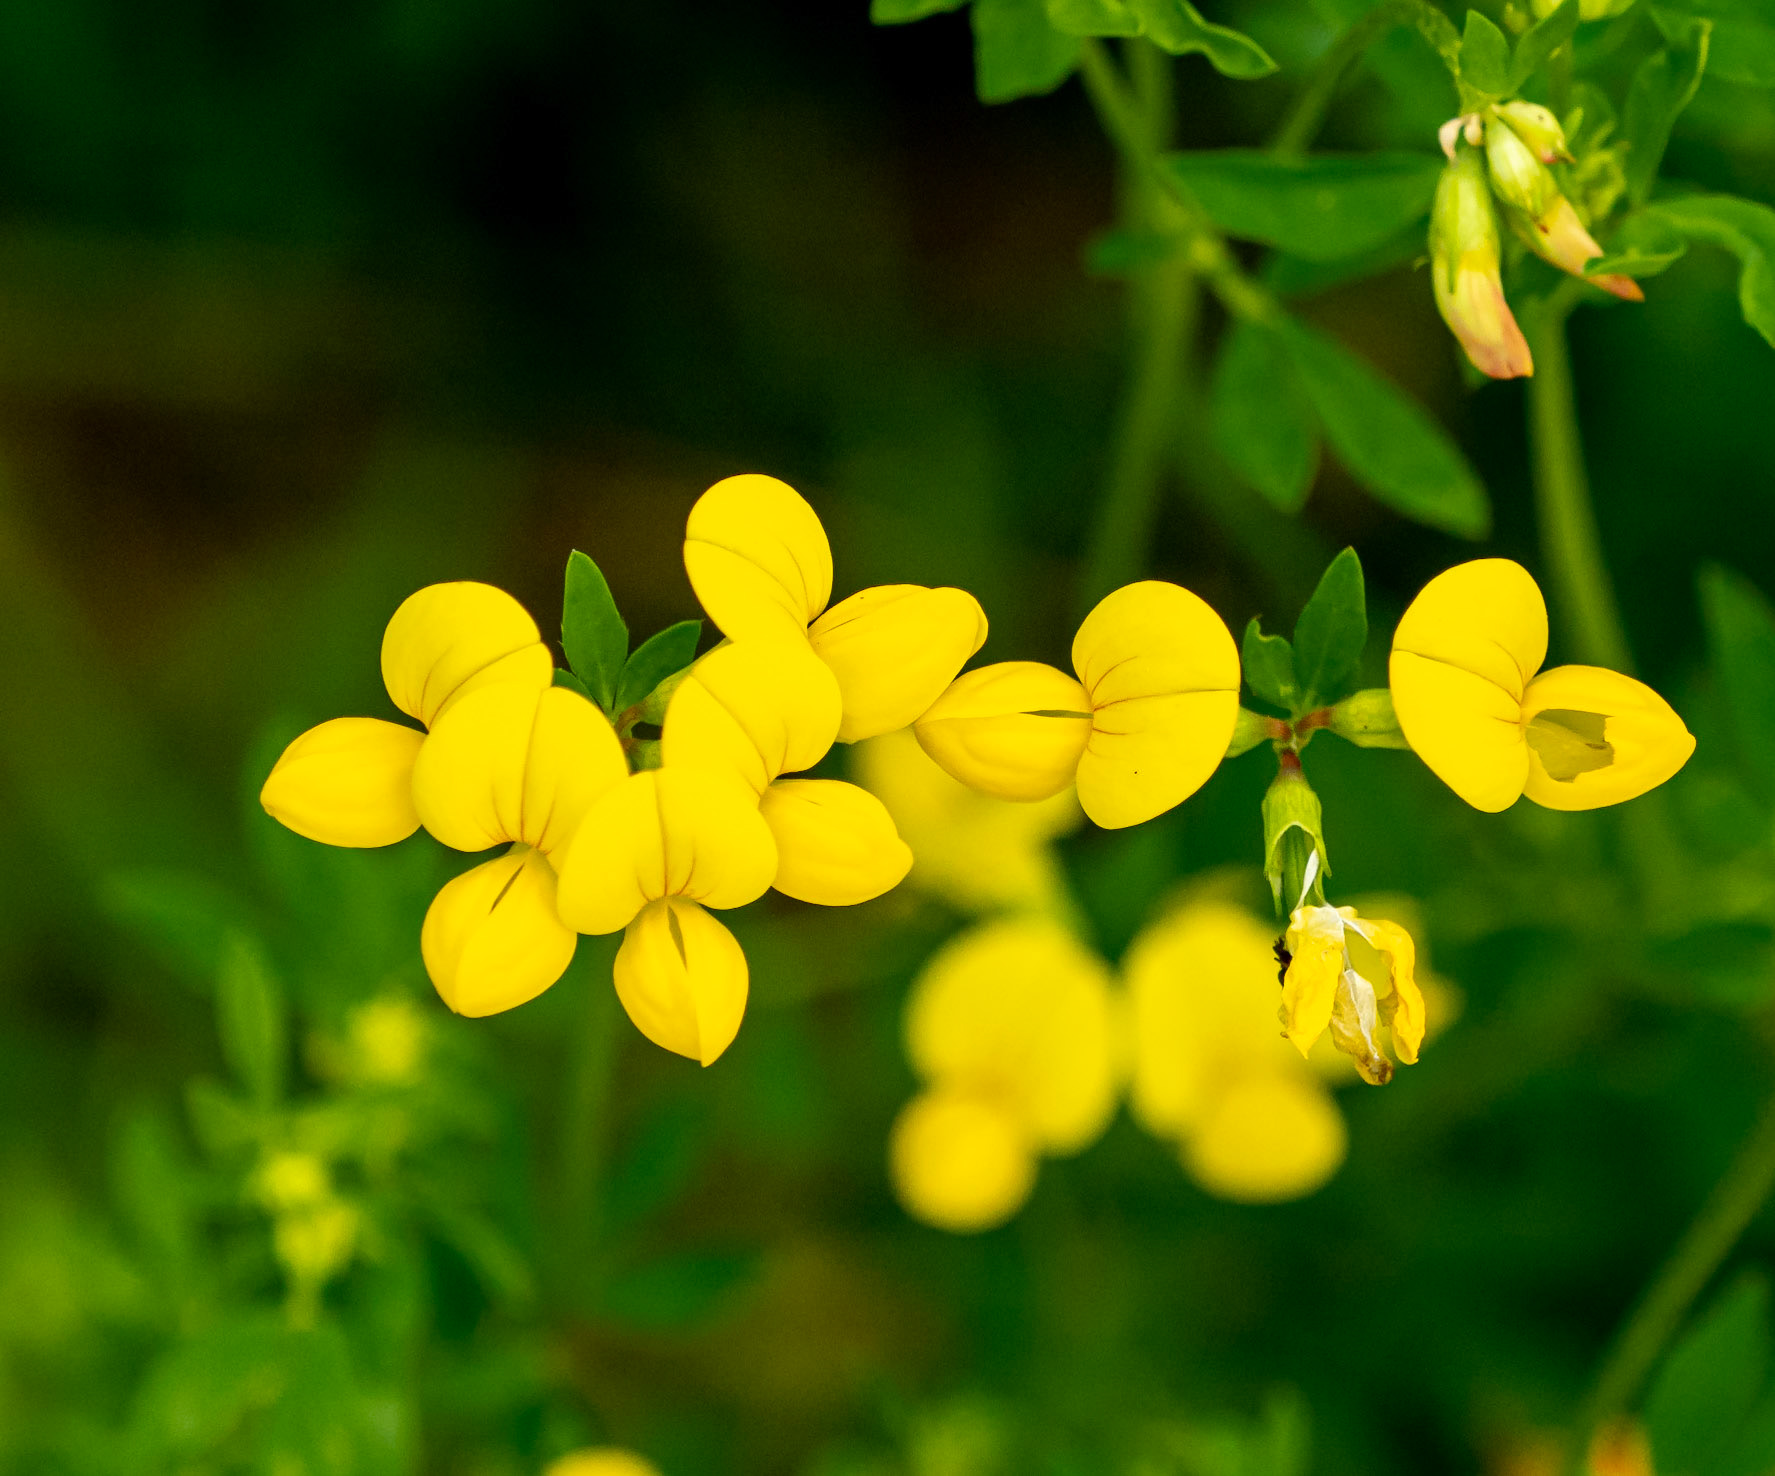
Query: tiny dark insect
1283	959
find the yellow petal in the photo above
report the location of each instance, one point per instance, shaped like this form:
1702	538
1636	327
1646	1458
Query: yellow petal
1014	730
1268	1139
1309	989
1162	674
682	978
960	1161
1486	617
1597	738
492	939
1407	1023
662	833
1467	729
894	648
450	637
1020	1009
757	558
755	709
1202	997
836	843
979	853
509	763
601	1460
348	782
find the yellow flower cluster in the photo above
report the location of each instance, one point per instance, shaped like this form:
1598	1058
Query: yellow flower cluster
601	1460
508	759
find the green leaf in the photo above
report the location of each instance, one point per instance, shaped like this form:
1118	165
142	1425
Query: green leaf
1269	668
1751	1449
1321	207
1178	27
1387	440
676	1290
1644	246
1540	41
250	1018
1120	252
898	12
185	918
1017	51
1740	625
1662	87
573	684
1710	1380
1485	56
1744	228
655	659
1330	634
1093	17
1263	421
223	1123
592	632
1742	48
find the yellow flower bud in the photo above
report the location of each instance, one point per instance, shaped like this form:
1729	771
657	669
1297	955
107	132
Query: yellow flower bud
1019	1009
836	843
1518	177
755	709
1162	674
1464	271
348	782
1558	235
960	1161
514	763
602	1460
682	978
492	939
316	1243
894	648
1267	1139
668	832
448	640
1014	730
757	558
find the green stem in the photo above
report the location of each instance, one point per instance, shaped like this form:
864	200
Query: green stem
1569	539
1303	120
1735	1200
585	1127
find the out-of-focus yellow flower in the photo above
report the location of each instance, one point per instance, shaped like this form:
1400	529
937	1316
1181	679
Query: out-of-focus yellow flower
1016	1030
760	564
973	850
386	1039
316	1243
348	782
601	1460
1464	683
1465	275
1620	1448
1145	724
508	764
1211	1072
287	1179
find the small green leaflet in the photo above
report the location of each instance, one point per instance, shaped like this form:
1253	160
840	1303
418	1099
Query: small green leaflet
1330	634
1321	207
1540	41
1269	669
1017	51
1178	27
1263	421
1661	88
592	632
1643	247
655	659
1744	228
1386	439
1741	644
1485	56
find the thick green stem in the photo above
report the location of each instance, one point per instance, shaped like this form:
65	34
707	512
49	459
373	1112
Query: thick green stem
1660	1312
585	1126
1569	540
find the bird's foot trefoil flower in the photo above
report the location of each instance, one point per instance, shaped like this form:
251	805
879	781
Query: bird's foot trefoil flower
1465	270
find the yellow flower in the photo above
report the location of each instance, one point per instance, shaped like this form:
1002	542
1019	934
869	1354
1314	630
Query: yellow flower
760	564
348	782
1253	1123
508	765
1464	683
1016	1031
601	1460
1333	954
976	852
1145	724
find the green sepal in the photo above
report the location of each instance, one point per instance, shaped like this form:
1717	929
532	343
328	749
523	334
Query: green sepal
1331	632
1269	668
1251	729
592	631
1367	719
655	659
1485	57
1290	805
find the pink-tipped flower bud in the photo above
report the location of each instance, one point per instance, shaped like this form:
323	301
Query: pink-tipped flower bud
1558	235
1464	271
1538	128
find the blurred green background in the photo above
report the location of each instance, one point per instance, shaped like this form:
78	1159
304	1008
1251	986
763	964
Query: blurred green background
304	306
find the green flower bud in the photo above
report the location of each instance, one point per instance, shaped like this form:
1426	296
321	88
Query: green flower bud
1518	177
1538	128
1367	719
1464	263
1295	862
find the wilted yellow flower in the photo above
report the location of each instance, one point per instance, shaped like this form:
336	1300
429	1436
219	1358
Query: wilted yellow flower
1211	1072
601	1460
1145	724
1016	1030
348	782
971	849
760	564
1464	683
